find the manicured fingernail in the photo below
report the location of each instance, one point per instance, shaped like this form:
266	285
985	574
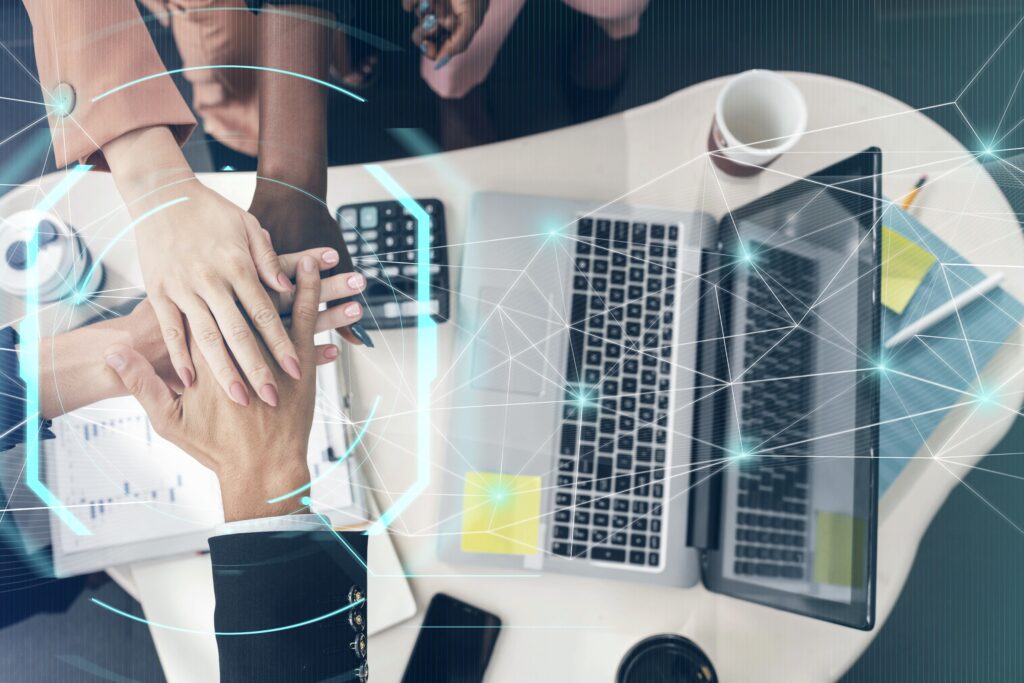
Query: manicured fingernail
307	264
238	394
186	377
356	281
441	62
331	352
330	257
269	395
352	310
429	22
291	366
285	282
360	333
116	361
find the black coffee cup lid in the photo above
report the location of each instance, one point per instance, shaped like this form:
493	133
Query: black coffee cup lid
666	658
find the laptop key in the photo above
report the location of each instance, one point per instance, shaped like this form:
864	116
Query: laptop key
560	531
619	538
652	559
637	557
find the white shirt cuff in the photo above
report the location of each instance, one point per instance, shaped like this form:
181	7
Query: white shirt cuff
304	522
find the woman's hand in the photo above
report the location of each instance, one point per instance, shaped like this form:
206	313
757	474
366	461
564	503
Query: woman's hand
451	29
297	222
203	260
257	453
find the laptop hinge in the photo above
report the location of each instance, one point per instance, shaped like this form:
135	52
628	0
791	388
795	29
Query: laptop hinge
705	473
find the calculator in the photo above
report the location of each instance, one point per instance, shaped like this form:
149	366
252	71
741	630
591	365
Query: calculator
381	238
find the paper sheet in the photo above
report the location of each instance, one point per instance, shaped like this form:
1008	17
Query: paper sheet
904	265
500	514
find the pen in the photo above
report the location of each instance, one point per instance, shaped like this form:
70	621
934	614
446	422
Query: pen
912	195
945	310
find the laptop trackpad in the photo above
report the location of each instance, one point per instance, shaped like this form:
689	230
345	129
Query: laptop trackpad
510	347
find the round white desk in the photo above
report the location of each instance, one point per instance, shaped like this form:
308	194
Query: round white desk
561	628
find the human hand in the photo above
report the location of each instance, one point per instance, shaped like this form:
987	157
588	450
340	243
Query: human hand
257	453
296	222
200	253
451	30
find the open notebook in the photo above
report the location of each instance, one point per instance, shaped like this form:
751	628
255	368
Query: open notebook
143	498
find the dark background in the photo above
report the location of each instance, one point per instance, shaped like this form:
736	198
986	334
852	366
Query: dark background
960	615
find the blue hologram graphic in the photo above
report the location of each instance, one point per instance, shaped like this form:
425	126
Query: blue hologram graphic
426	356
28	361
276	629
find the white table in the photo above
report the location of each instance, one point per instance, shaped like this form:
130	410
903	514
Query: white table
570	629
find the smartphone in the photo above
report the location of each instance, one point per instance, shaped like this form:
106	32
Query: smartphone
454	645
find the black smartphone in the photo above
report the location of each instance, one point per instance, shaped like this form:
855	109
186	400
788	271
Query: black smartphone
454	645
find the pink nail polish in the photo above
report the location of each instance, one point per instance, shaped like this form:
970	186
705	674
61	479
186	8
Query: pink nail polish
284	281
291	366
238	394
269	395
330	257
116	361
186	377
352	310
356	282
331	352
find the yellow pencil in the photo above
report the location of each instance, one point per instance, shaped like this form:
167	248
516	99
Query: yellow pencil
912	195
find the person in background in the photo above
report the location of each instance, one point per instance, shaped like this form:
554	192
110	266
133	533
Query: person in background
204	260
256	452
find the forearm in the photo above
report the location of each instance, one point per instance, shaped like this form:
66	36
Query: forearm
293	110
72	372
146	164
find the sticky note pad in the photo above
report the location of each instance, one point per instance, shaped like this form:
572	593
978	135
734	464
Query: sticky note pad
840	543
904	265
500	514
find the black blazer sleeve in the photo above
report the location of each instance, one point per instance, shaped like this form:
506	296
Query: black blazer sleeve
12	395
274	591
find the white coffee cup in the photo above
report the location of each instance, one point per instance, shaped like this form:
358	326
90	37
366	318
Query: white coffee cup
759	115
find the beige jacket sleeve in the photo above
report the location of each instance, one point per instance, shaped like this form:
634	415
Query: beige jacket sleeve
85	48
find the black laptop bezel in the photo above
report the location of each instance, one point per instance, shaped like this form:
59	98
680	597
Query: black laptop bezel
706	500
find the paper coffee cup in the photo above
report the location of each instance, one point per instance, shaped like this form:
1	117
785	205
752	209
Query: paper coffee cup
759	115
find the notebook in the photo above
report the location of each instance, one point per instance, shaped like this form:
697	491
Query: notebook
943	362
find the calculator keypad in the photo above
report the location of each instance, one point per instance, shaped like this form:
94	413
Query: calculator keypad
382	239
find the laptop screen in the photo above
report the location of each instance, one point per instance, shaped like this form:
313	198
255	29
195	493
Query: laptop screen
789	371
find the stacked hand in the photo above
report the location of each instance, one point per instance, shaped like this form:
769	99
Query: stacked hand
257	452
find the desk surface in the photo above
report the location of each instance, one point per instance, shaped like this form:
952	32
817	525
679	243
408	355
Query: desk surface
570	629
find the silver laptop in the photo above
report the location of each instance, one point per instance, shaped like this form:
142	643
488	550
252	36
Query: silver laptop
671	378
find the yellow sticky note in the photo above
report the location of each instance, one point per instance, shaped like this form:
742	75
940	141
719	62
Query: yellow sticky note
500	514
839	547
904	265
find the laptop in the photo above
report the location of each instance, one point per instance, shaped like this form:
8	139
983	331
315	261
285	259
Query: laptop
698	397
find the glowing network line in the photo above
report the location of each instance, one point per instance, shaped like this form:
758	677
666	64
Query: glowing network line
28	360
208	67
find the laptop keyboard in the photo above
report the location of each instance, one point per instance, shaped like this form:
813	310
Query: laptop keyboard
611	485
773	487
